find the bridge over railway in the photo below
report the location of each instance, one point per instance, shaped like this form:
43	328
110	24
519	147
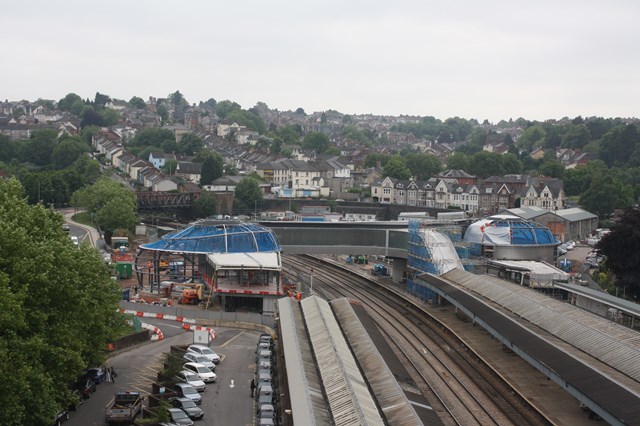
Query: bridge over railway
152	200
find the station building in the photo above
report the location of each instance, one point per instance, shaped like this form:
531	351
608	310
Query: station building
240	263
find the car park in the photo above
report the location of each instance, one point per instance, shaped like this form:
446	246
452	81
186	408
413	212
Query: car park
206	351
200	359
200	370
189	407
192	379
179	417
185	390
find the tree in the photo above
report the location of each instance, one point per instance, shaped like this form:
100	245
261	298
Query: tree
532	137
137	103
552	168
177	100
248	196
621	248
190	144
39	148
376	159
206	205
58	310
211	168
423	166
605	193
511	164
112	205
458	161
170	167
577	137
67	152
65	103
100	100
300	111
484	164
223	108
396	168
317	141
618	145
153	137
209	104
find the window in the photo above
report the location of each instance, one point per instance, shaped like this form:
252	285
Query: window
387	191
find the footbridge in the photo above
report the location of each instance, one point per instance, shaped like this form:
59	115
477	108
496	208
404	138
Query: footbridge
370	238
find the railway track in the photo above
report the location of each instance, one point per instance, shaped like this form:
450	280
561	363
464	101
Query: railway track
460	390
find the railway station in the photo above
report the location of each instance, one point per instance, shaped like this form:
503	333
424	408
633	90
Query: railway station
332	372
240	264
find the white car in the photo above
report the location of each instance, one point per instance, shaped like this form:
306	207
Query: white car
205	374
75	240
206	351
200	359
192	379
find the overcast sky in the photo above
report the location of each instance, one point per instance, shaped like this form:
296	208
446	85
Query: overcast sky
490	59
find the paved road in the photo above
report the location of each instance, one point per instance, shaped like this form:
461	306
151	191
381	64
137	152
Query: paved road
227	401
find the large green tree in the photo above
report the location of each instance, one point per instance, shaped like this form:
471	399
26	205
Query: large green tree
317	141
190	144
57	310
153	137
67	152
621	247
423	166
484	164
247	197
211	168
206	205
396	168
112	205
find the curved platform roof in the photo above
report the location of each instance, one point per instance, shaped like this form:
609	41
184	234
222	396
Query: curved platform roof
508	230
206	237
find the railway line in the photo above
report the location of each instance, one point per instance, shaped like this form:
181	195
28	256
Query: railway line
461	389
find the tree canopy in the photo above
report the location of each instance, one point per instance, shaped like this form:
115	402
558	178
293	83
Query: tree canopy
58	310
317	141
248	196
621	247
211	168
396	168
112	205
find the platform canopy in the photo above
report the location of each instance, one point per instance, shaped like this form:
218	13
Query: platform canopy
245	261
217	237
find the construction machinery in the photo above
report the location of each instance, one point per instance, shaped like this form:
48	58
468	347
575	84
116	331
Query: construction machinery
187	293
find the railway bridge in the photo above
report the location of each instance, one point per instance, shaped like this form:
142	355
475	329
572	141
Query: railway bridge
156	200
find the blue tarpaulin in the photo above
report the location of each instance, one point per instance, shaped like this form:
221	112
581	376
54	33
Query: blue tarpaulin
205	238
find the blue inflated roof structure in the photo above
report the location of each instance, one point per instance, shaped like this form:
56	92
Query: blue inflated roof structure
218	237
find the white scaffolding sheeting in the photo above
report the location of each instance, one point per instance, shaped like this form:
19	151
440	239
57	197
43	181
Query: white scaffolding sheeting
443	252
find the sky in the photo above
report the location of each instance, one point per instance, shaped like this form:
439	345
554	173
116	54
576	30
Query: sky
490	59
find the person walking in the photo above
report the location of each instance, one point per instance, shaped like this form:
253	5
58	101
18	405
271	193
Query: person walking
253	387
113	375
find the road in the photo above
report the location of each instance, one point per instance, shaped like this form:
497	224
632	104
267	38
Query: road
228	400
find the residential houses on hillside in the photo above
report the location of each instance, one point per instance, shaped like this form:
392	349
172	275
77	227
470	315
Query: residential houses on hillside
493	195
298	178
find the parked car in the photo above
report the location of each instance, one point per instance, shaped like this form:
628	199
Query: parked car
203	372
200	359
192	379
60	418
179	417
206	351
98	374
66	227
185	390
189	407
75	240
86	386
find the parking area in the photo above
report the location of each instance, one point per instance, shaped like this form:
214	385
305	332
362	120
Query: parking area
227	401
